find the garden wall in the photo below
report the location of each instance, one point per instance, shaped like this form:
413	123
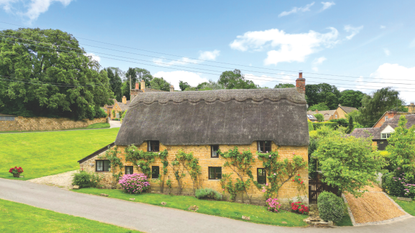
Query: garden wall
43	123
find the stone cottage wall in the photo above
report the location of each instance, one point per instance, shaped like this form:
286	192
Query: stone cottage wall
42	123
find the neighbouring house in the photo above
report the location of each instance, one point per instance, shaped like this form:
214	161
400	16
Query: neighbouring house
381	134
203	122
389	115
339	113
327	114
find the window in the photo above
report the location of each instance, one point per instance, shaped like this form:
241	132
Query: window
103	166
382	145
264	146
385	135
262	176
215	173
335	116
155	172
128	170
153	146
214	151
386	118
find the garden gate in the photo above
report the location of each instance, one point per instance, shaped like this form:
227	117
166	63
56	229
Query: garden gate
316	186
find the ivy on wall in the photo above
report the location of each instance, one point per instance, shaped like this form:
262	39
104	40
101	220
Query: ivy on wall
115	162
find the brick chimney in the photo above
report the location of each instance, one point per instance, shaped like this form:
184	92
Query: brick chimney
124	100
300	83
411	108
171	88
143	85
137	86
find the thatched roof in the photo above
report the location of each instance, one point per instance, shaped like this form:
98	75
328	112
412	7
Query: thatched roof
232	117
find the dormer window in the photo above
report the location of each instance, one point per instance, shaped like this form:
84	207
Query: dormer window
264	146
153	146
385	135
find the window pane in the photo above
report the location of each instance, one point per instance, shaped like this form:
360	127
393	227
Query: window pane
262	179
99	166
267	145
155	172
106	165
218	174
215	150
128	170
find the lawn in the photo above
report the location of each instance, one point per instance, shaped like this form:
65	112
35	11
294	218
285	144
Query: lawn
258	214
48	153
98	126
346	221
409	207
16	217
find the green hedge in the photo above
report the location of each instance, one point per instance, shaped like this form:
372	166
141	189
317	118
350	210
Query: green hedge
318	125
310	126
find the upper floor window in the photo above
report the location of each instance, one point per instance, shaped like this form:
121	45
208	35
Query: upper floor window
153	146
102	166
214	151
264	146
385	135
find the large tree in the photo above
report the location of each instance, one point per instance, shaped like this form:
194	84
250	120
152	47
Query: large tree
47	73
136	74
115	82
351	98
322	93
235	80
373	106
160	84
284	85
183	85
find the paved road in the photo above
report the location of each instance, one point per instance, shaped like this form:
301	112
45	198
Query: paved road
150	218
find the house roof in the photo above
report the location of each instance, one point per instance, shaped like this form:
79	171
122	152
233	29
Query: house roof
326	114
364	132
124	106
396	114
103	149
348	109
233	117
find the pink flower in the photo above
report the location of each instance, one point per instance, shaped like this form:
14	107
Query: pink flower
267	152
266	184
293	153
270	156
275	174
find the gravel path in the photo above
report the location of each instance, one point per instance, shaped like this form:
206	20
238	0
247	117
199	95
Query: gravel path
63	180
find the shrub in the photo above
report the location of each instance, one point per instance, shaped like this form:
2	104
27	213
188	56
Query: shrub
393	185
330	207
208	193
273	205
100	113
319	117
134	183
318	125
310	126
86	180
299	207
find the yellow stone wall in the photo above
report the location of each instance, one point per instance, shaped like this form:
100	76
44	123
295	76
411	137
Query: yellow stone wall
288	191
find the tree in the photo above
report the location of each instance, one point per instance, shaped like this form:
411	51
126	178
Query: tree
319	117
183	85
52	77
351	98
348	163
322	93
373	106
319	106
160	84
284	85
350	126
235	80
136	74
115	82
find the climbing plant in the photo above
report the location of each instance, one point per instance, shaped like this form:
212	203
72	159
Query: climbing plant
186	163
115	162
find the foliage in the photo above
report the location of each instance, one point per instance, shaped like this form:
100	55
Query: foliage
347	163
16	170
318	125
299	207
320	107
319	117
134	183
375	105
393	185
123	114
351	98
241	164
183	85
136	74
310	126
52	77
85	180
208	193
401	149
115	161
235	80
284	85
340	122
279	172
186	163
312	162
350	127
322	93
160	84
115	82
330	207
273	205
211	85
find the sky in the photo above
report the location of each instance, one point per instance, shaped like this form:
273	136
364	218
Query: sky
358	45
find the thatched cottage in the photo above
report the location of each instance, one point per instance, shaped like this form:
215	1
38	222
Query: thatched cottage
202	122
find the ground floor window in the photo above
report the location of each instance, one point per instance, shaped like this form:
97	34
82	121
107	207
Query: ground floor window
215	173
261	176
102	166
155	172
128	170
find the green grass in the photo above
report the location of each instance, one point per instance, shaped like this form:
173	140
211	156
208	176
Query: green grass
48	153
346	221
98	126
258	214
409	207
16	217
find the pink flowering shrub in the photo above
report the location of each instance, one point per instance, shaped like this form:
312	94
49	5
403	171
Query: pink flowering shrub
134	183
273	205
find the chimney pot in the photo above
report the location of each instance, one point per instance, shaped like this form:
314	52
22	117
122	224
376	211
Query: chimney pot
171	88
143	85
124	100
136	86
300	83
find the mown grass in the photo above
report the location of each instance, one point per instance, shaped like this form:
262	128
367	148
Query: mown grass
98	126
258	214
409	207
17	217
346	221
48	153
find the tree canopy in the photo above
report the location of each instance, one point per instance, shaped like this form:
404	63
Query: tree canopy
52	77
351	98
322	93
115	82
284	85
160	84
235	80
319	106
183	85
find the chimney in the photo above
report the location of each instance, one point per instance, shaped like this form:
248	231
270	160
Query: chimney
411	108
124	100
136	86
143	85
171	88
300	83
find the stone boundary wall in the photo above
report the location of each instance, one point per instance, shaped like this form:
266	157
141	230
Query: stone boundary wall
44	124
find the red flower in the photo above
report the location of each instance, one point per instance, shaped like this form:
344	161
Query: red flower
293	180
302	182
298	174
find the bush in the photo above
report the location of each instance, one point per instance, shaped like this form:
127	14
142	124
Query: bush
319	117
393	185
86	180
299	207
318	125
330	207
208	193
310	126
101	113
134	183
273	205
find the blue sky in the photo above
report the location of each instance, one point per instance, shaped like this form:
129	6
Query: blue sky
360	45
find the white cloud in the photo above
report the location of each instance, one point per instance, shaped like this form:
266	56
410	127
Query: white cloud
93	57
327	5
264	80
173	77
382	27
291	47
209	55
181	61
387	52
296	9
387	74
352	30
7	5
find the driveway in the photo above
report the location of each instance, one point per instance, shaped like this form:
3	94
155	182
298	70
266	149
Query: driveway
115	124
150	218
